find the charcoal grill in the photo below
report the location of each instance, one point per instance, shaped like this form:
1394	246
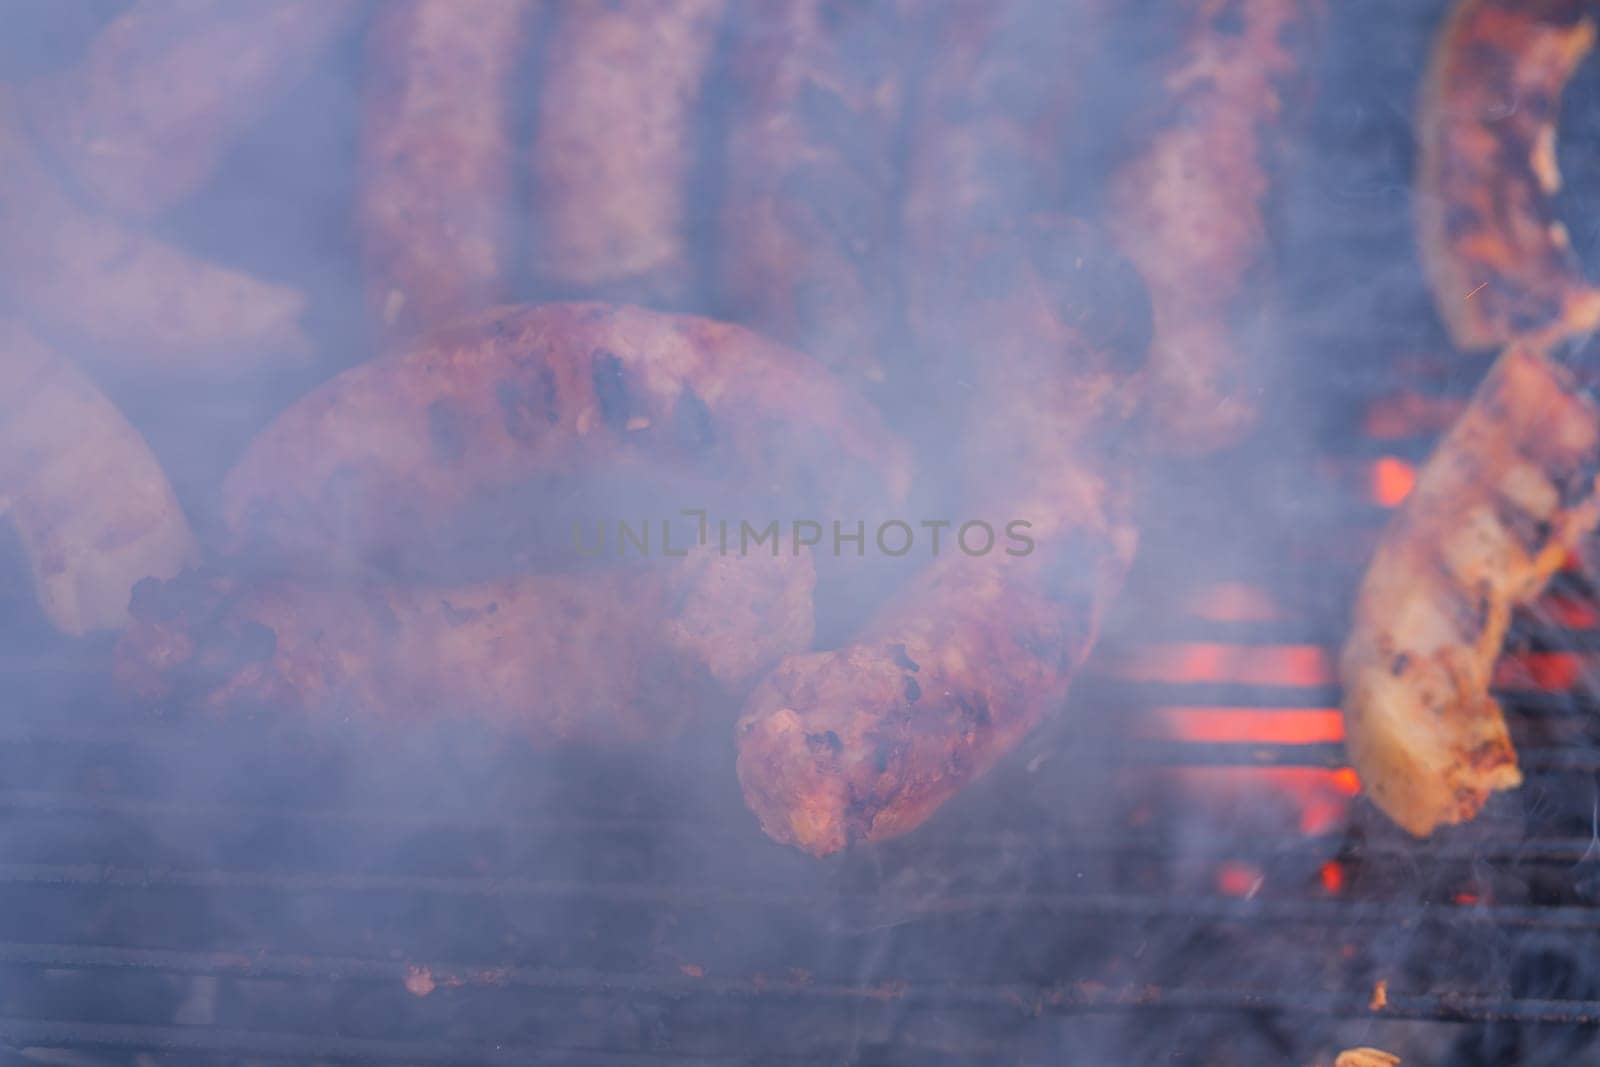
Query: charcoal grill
1177	871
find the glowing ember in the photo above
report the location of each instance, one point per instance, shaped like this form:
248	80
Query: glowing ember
1271	726
1540	670
419	981
1392	480
1201	661
1332	875
1236	878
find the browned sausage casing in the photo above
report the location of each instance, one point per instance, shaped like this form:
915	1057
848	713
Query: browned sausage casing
865	742
391	448
436	209
622	656
992	116
90	503
166	86
809	203
1188	207
615	145
1500	262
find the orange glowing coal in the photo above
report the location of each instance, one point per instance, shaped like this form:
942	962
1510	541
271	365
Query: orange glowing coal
1315	800
1392	480
1306	666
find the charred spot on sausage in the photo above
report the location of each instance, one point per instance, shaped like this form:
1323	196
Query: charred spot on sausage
692	425
903	658
828	740
610	388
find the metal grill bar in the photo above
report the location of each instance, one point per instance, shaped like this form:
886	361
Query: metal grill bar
1330	912
1029	1000
23	1033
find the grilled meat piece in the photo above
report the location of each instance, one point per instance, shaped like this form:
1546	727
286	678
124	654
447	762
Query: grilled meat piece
1508	493
122	295
808	200
991	119
376	460
626	655
865	742
615	145
1046	326
435	202
1189	207
90	504
1366	1057
1500	263
166	86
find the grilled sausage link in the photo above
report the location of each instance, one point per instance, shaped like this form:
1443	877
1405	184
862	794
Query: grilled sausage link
990	123
1507	494
122	294
808	204
377	457
615	145
90	504
1500	263
1188	208
622	656
866	741
166	86
435	202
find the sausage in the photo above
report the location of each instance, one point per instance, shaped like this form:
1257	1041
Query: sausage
992	119
615	145
1509	492
1188	207
122	294
811	177
370	462
864	742
435	203
166	86
90	504
621	656
1499	261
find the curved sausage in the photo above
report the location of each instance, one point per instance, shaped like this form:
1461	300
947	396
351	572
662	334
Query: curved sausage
615	145
865	742
165	88
377	457
91	506
1509	492
620	656
992	119
1048	324
125	295
1500	263
436	197
811	180
1189	208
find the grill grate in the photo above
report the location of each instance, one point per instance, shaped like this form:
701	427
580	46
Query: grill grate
203	892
